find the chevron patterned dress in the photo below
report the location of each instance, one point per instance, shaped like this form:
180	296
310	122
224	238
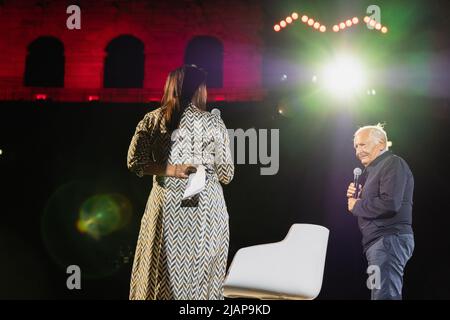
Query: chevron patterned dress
182	246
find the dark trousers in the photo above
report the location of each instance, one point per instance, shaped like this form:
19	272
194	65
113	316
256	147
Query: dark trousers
389	255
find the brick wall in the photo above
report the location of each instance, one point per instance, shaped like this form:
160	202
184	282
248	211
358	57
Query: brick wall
165	28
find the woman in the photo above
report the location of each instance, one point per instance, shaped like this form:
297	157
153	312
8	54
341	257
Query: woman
183	244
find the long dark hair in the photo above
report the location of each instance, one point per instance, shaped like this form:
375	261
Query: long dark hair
184	85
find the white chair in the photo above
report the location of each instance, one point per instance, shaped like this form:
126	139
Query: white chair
289	269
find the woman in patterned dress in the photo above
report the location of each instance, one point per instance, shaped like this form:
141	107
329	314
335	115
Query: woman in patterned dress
182	246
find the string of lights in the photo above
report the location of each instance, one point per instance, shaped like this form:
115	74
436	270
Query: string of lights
340	26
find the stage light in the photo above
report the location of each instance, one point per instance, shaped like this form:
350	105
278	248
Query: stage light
348	23
304	18
384	29
277	27
322	29
316	25
342	26
310	22
288	19
372	23
1	152
219	97
378	26
366	19
343	76
93	98
294	15
283	23
355	20
335	28
40	96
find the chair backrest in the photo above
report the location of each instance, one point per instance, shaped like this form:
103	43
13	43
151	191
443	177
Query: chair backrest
292	268
305	246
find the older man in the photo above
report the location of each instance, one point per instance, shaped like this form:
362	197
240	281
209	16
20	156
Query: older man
384	211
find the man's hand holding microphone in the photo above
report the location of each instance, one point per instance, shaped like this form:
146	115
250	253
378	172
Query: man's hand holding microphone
353	193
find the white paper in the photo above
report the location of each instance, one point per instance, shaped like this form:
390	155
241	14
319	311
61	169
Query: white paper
196	183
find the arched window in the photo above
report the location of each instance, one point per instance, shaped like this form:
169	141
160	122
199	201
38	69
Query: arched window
124	63
207	53
44	66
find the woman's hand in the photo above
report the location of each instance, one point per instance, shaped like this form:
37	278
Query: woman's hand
181	171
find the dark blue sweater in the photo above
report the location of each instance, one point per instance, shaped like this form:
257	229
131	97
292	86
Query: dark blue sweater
386	200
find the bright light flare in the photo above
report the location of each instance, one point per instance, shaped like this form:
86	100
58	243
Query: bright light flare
343	77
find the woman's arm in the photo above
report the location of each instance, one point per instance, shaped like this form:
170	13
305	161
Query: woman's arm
140	158
181	171
223	160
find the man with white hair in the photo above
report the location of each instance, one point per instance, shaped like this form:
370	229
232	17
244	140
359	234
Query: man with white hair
384	211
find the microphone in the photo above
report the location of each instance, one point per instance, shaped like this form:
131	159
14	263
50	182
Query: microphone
356	173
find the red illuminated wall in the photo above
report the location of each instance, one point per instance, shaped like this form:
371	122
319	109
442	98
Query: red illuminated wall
165	27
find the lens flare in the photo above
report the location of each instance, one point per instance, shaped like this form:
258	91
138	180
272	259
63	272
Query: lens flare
343	77
84	227
101	215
